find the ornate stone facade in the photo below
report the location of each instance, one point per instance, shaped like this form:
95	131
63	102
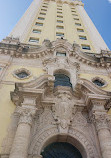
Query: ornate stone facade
46	114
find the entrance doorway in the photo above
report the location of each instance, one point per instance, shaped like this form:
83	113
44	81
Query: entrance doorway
61	150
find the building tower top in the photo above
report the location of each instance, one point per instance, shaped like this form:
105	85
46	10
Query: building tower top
53	19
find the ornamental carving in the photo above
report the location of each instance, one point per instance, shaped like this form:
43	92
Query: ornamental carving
100	120
26	114
79	120
63	110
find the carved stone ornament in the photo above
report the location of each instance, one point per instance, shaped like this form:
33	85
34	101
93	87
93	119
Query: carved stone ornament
63	110
100	119
26	114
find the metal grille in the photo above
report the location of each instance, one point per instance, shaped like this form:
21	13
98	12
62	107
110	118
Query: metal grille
62	80
61	150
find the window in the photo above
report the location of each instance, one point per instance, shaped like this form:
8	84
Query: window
39	24
72	8
83	37
73	11
59	16
45	6
59	8
59	12
62	80
59	27
40	18
59	34
35	40
22	73
43	9
76	19
45	3
36	31
98	82
42	13
87	47
80	30
63	54
74	14
59	21
78	24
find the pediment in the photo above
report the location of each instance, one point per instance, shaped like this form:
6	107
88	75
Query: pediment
91	87
44	85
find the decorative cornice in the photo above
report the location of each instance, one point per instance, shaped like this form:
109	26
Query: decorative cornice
16	49
70	2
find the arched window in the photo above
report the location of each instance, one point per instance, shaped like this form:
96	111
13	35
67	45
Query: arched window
62	80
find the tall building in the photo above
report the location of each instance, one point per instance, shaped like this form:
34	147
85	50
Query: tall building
55	85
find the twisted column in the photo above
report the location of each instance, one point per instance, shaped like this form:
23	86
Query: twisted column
100	119
21	141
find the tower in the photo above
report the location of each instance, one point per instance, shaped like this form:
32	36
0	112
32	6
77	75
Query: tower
55	79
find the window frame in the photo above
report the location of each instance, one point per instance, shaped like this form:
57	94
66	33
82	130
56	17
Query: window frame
34	40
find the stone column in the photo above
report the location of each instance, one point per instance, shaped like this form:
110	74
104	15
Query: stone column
100	119
21	141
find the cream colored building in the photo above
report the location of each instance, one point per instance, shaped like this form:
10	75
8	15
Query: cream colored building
55	85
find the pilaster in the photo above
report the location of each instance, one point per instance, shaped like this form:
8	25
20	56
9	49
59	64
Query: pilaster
100	118
21	140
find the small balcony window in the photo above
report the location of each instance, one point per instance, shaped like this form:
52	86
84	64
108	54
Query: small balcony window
35	40
80	30
39	24
59	8
59	21
45	3
59	12
60	34
41	18
83	37
76	19
63	54
73	11
59	16
42	13
45	6
62	80
87	47
43	9
59	27
36	31
74	14
78	24
72	8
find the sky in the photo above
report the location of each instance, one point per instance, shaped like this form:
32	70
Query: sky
98	10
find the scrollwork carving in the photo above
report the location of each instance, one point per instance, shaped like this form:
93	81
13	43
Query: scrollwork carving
63	109
100	120
26	114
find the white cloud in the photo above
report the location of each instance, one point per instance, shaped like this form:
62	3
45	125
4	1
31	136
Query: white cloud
109	1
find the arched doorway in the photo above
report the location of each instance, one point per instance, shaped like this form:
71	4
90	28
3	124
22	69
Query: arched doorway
61	150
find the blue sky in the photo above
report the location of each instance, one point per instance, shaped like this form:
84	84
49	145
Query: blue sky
98	10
